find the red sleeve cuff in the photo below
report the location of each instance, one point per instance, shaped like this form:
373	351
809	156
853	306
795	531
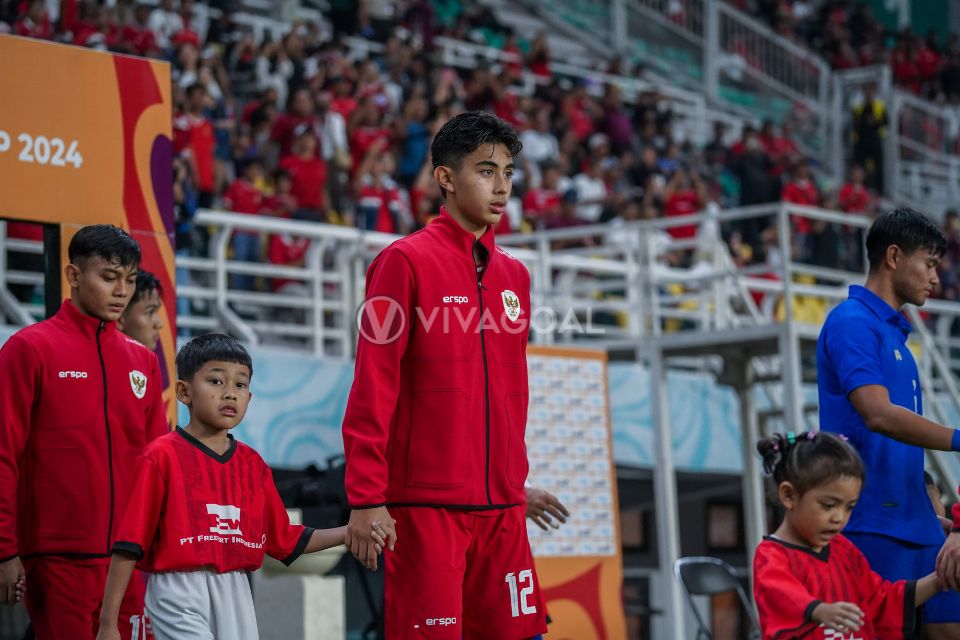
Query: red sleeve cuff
955	510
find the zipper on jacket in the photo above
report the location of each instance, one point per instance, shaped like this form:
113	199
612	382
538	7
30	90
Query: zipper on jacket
106	422
486	376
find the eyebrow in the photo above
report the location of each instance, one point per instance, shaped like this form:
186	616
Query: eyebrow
490	163
837	498
222	370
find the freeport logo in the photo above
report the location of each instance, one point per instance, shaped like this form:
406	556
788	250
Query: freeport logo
224	519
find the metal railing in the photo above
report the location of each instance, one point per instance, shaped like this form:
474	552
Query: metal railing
735	60
604	286
17	312
925	148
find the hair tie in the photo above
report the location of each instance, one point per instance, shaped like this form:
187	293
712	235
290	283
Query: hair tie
791	438
811	435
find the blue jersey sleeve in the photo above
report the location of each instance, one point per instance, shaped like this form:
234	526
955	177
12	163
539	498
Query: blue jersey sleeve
854	351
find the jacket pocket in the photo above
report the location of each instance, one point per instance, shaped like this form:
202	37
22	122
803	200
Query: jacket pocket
515	405
436	453
61	502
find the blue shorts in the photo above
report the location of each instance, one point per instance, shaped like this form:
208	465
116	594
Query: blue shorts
895	559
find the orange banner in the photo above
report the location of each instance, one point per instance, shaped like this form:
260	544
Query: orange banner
85	138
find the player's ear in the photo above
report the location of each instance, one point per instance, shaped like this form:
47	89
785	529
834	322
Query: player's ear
72	273
444	177
183	392
892	256
788	495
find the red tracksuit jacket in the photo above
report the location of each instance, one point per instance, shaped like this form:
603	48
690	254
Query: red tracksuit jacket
438	408
68	442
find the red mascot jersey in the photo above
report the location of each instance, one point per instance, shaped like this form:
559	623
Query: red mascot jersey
192	508
790	581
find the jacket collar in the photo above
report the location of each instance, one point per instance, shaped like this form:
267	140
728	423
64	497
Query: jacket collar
70	315
459	239
880	308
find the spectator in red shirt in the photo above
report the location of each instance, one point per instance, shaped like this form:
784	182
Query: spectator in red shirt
288	251
365	128
854	196
928	62
543	203
102	34
580	110
35	22
193	137
136	37
243	196
780	148
282	203
904	63
299	115
343	101
803	191
538	61
309	175
685	194
381	203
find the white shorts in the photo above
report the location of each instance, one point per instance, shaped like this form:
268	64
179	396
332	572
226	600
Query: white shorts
201	605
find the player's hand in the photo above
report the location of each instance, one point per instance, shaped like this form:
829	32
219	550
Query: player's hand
381	533
948	562
108	632
13	581
839	616
541	505
360	539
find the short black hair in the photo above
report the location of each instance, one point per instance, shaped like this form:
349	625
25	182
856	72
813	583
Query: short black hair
465	133
110	242
908	229
146	282
209	347
810	459
196	87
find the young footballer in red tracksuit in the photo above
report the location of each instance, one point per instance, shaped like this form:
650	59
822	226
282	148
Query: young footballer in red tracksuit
435	421
78	401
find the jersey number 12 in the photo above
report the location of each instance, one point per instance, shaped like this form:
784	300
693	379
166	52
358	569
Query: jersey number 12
518	599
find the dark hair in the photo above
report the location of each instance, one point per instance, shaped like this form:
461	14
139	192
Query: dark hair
111	243
808	460
209	347
908	229
196	87
146	282
465	133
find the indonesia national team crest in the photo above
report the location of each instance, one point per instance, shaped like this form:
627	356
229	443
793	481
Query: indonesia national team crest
138	382
511	304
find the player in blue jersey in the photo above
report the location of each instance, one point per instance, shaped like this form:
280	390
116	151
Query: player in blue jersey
870	392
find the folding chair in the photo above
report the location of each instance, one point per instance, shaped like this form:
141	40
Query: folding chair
706	576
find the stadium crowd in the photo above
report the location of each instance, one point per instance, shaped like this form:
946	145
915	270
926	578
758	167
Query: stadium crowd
303	127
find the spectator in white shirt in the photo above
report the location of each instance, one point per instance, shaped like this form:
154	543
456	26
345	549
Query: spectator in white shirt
591	192
165	22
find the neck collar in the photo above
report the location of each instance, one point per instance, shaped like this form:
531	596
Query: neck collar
880	307
222	458
87	325
460	239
